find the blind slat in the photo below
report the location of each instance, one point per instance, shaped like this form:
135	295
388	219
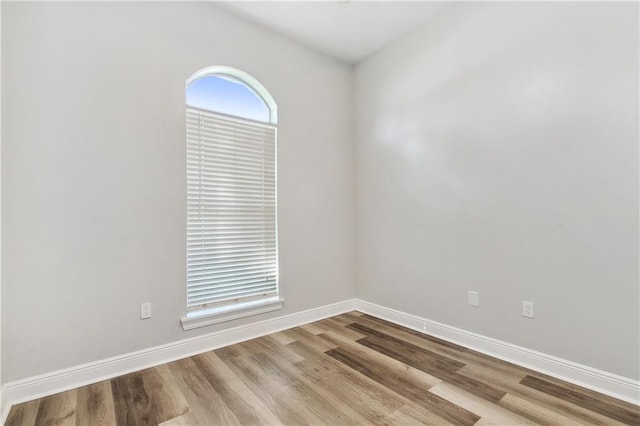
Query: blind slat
246	256
249	288
233	299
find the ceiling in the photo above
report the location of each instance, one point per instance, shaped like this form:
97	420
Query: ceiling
347	30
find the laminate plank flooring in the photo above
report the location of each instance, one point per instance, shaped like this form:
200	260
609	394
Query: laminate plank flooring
95	403
351	369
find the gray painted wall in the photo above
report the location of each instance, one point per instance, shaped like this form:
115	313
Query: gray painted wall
1	320
497	151
93	170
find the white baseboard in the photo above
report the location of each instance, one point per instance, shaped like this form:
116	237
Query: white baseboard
70	378
601	381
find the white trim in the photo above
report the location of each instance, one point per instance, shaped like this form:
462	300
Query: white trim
600	381
232	312
70	378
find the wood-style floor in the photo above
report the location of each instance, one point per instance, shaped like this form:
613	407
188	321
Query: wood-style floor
351	369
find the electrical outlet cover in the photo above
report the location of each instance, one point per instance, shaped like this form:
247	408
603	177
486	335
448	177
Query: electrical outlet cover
528	310
473	298
145	310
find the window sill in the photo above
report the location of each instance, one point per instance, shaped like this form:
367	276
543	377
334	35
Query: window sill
229	313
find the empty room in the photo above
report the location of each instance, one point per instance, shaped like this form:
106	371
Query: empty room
325	213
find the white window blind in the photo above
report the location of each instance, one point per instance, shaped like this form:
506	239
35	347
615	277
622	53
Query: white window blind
231	210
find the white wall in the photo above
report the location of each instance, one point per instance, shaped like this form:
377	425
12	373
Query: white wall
93	168
1	319
497	150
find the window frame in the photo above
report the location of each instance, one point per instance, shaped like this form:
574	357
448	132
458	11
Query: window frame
230	311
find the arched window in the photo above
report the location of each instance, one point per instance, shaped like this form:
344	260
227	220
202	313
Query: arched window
232	256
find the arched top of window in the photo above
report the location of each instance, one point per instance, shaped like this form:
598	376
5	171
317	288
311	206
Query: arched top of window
230	91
